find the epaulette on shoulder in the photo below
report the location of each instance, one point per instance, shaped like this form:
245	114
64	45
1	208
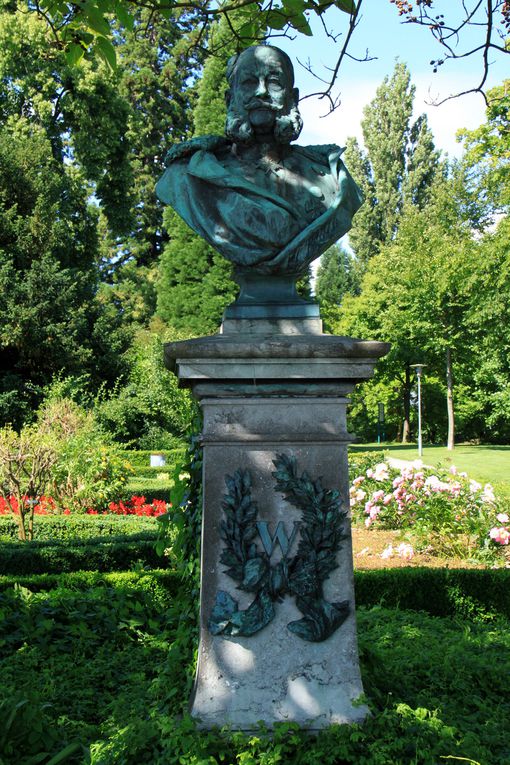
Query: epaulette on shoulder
200	143
321	152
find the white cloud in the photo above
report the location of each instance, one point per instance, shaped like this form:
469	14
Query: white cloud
444	120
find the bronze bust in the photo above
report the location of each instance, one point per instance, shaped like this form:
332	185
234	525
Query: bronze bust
267	205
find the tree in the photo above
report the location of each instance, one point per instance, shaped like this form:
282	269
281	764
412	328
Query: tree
335	276
49	317
467	28
488	321
195	282
415	295
397	167
488	149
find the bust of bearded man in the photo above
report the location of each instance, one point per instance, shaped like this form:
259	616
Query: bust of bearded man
268	206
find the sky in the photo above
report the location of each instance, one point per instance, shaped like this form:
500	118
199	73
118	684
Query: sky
381	31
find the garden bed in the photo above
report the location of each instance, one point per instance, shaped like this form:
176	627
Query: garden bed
370	544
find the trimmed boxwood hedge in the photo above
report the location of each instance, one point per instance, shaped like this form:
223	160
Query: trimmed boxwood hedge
477	594
140	460
85	580
68	527
467	593
145	487
116	553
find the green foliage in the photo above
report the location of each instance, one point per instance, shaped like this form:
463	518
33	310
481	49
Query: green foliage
88	470
112	657
139	459
398	167
27	461
68	528
487	148
113	553
149	410
360	462
91	30
335	276
181	526
476	594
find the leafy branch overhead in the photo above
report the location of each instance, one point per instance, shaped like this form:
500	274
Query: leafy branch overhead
89	27
465	28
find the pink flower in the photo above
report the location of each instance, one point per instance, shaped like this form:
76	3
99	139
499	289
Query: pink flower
387	499
501	535
387	552
503	517
359	479
377	495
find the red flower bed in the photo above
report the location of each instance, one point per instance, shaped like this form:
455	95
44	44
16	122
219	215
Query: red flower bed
134	506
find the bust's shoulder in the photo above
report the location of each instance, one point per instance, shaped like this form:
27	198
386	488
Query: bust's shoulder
186	149
321	153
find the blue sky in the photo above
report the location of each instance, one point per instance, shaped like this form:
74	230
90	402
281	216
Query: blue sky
386	38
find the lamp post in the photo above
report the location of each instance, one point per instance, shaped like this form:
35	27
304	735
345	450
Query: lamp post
419	369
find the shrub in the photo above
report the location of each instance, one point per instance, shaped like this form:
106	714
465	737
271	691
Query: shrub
480	594
116	553
446	512
66	528
27	461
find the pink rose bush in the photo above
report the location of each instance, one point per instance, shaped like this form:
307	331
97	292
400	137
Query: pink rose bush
446	512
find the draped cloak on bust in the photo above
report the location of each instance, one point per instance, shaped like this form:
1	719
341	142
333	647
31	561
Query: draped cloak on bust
271	217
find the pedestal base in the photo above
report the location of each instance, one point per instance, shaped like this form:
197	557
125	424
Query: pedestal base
266	399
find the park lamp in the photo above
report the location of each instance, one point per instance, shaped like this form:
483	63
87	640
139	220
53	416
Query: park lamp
419	369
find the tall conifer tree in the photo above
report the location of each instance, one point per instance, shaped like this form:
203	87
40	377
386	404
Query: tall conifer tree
398	165
195	283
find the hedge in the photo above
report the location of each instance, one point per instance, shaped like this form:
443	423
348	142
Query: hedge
481	594
151	490
114	554
467	593
83	581
140	460
68	527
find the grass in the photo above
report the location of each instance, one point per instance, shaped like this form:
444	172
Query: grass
484	463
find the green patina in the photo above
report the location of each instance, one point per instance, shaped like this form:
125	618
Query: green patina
269	207
301	576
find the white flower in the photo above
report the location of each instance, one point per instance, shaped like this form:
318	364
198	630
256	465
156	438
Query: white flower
488	494
405	551
388	552
381	472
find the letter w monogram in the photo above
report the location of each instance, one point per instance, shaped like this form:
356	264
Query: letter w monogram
279	537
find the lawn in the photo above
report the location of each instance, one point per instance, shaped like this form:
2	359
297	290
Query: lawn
485	463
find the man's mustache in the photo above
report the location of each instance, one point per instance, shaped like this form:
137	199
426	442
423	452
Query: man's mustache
259	103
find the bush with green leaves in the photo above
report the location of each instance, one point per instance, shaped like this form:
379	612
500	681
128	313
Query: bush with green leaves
115	553
107	662
147	410
27	462
67	528
446	512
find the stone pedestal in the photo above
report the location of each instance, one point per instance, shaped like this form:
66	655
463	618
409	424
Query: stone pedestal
265	397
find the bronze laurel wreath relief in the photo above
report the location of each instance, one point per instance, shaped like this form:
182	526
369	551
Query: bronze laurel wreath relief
301	576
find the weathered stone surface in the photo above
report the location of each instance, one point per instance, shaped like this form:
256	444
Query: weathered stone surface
264	396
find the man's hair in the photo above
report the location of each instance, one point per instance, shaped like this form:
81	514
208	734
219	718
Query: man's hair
234	61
